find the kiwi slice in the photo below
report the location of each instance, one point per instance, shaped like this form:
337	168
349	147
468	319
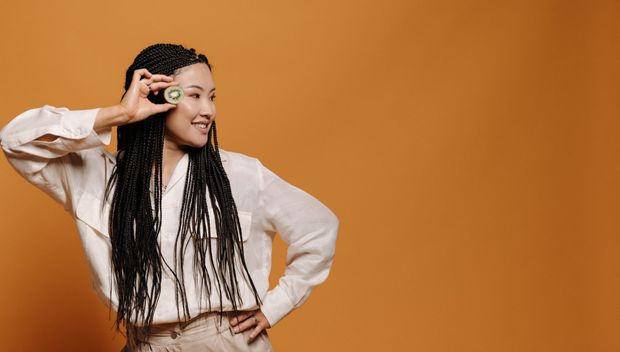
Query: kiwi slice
173	94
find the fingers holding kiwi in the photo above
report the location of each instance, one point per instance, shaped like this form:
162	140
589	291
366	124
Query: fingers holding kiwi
168	99
173	94
157	86
149	94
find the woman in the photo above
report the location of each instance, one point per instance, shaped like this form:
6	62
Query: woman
177	231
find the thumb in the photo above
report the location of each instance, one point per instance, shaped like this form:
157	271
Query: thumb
165	107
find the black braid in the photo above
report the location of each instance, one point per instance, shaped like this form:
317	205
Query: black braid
134	227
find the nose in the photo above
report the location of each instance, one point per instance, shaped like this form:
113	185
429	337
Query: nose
208	111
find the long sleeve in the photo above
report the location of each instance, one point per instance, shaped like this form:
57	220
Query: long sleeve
44	163
309	229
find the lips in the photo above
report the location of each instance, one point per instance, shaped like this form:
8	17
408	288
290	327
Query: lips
201	126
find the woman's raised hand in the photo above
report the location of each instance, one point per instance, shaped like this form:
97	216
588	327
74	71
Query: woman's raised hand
135	104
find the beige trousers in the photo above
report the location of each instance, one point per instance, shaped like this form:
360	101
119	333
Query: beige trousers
203	333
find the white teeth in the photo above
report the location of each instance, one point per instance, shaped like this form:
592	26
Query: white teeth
201	125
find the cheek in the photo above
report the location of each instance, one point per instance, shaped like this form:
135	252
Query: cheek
176	123
188	107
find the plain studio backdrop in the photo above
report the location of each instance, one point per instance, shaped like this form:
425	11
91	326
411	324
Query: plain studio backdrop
469	148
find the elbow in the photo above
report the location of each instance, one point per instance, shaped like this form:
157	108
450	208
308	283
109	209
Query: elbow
3	145
332	225
333	222
335	226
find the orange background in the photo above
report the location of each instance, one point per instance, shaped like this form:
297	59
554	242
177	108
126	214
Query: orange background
469	148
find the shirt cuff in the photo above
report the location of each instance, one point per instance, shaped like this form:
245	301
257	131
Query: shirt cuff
79	124
276	305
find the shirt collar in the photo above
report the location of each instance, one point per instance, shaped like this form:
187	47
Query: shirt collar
180	169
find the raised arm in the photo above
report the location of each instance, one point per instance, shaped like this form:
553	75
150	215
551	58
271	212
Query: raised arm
309	229
37	142
105	119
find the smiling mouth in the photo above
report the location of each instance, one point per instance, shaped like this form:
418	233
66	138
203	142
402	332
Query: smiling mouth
202	127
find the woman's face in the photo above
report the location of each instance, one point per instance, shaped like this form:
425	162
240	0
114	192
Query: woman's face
183	123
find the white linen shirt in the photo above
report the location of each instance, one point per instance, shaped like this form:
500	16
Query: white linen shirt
73	170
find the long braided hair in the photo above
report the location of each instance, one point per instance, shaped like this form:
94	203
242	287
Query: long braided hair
134	226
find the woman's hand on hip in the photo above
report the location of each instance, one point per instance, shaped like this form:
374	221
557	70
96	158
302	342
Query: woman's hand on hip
135	103
252	319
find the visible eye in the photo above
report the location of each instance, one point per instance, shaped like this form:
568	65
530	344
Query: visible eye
213	97
195	95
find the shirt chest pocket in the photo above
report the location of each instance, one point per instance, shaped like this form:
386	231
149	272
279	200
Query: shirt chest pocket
89	210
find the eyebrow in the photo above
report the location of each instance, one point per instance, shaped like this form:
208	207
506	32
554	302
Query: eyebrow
199	87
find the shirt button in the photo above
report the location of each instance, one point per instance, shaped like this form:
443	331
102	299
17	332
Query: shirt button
174	335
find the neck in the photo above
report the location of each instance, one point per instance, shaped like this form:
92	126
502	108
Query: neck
172	154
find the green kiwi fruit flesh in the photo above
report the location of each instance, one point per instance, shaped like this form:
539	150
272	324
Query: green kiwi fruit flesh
173	94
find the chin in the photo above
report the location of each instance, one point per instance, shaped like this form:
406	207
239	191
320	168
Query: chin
196	144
